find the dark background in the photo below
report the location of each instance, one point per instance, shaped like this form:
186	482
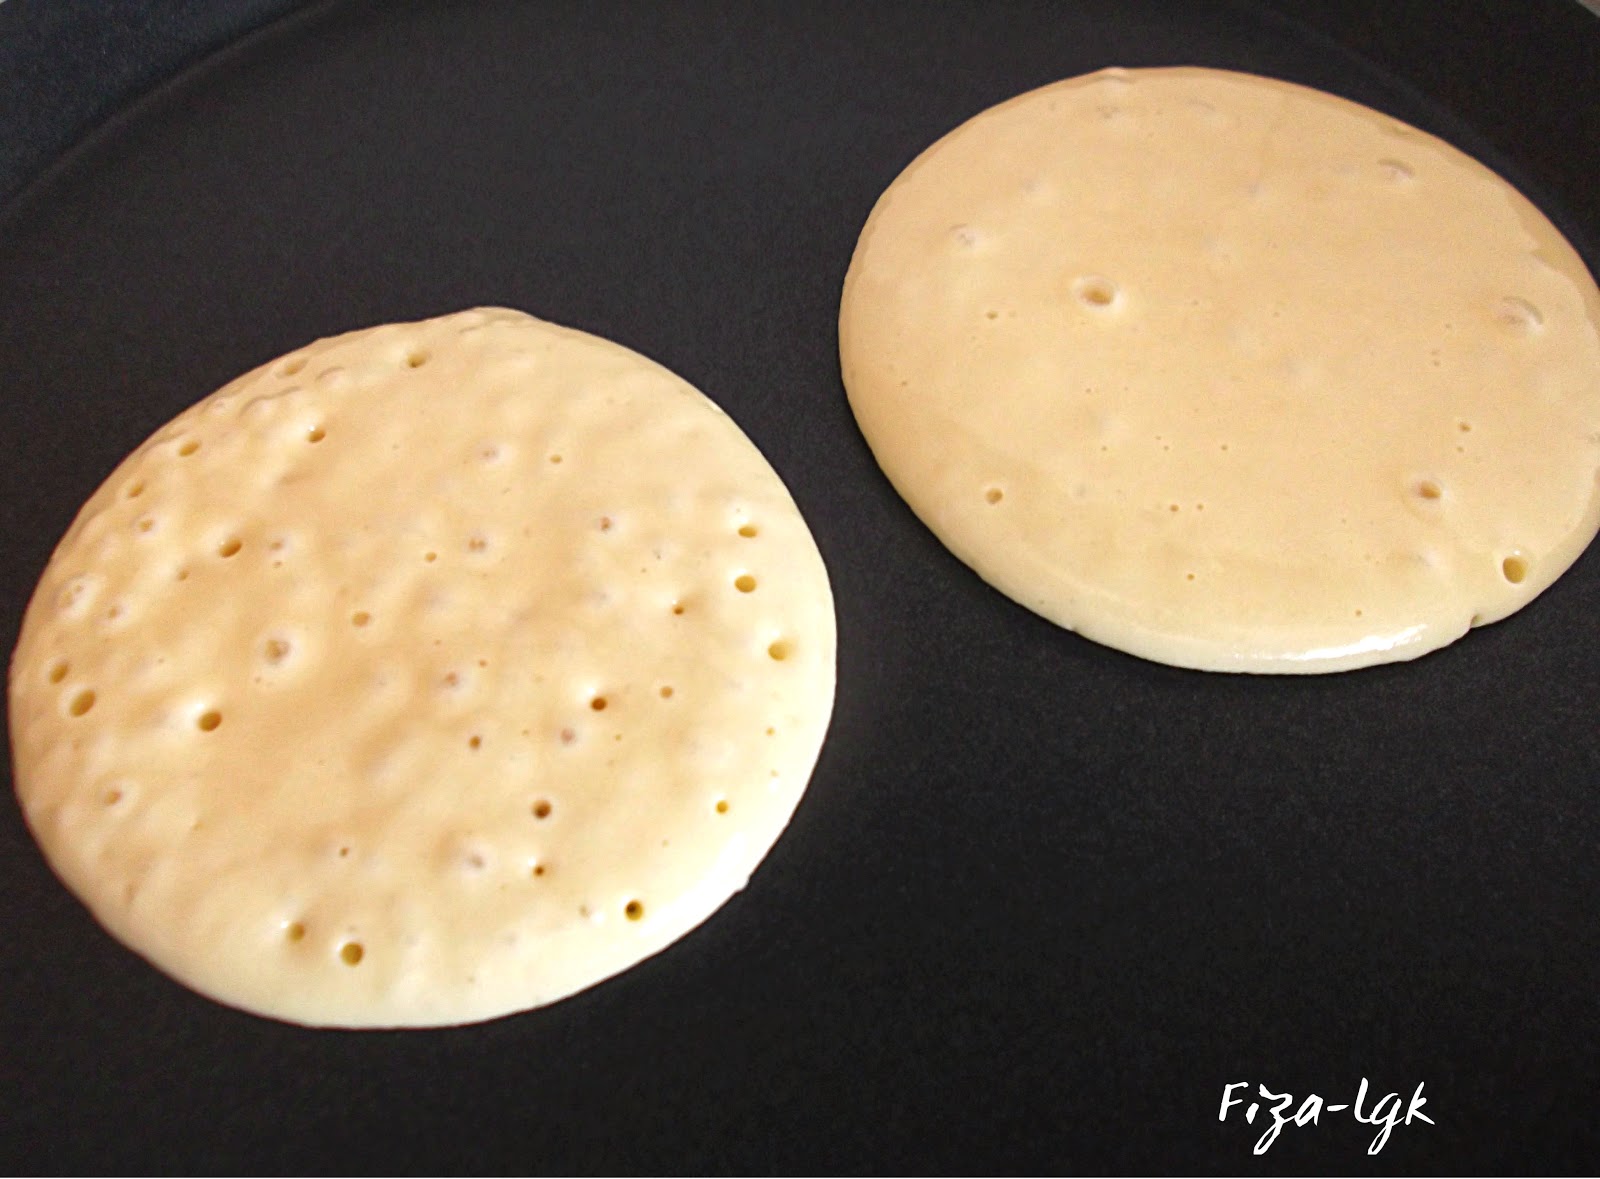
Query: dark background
1042	900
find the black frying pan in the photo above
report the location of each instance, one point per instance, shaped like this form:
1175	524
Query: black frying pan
1043	901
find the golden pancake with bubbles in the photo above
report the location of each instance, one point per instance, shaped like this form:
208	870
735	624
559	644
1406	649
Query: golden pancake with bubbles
432	672
1229	373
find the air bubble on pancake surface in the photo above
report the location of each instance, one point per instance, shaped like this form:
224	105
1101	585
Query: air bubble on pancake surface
351	953
265	405
335	378
1519	315
634	910
418	357
748	530
1428	489
209	721
78	595
993	495
188	447
1514	568
1095	291
292	366
744	583
81	702
780	650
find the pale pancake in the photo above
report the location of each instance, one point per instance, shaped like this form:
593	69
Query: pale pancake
1229	373
432	672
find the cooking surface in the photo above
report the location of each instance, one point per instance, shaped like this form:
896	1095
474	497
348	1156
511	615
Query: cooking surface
1042	900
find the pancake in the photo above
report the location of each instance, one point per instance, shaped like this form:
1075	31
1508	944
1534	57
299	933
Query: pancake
432	672
1228	373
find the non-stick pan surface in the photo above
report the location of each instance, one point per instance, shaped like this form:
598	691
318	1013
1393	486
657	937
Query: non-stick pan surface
1043	901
